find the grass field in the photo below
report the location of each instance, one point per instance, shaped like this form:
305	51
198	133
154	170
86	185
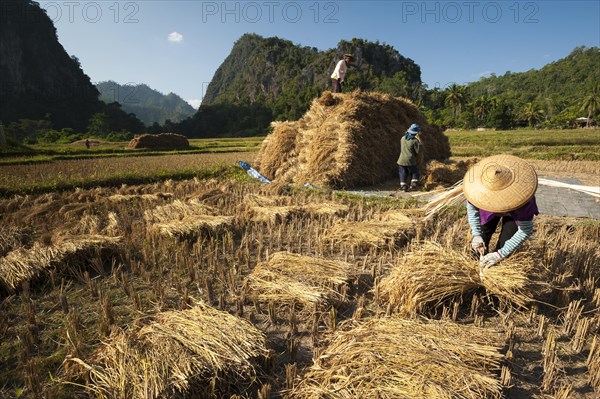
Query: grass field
564	145
44	153
45	168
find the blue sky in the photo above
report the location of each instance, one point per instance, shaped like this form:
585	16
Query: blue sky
176	46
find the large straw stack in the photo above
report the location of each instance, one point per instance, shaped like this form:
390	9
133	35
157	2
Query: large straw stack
23	264
406	359
179	353
431	275
351	141
289	279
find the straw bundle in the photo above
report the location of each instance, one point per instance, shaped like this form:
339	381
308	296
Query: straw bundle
406	359
271	214
291	278
371	233
177	210
402	217
190	225
325	209
176	354
139	197
181	219
256	200
432	274
351	141
11	237
24	264
262	209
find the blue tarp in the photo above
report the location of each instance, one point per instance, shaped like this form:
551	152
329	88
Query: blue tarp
253	172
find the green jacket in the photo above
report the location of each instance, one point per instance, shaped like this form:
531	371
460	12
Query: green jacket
408	152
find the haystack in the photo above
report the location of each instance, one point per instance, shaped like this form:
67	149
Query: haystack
24	264
177	355
163	141
351	141
406	359
431	275
289	279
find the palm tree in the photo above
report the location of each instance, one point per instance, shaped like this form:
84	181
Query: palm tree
482	108
456	99
591	103
531	114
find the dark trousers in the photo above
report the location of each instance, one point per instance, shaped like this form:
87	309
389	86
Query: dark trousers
336	86
508	229
408	172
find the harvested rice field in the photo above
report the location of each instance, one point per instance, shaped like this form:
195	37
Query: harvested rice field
227	288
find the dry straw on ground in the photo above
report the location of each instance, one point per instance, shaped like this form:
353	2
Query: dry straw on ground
262	209
178	353
164	141
191	225
326	209
351	141
288	278
406	359
393	228
180	219
431	274
23	264
141	197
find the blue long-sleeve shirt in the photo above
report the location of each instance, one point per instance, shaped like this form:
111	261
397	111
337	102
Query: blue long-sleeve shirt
522	216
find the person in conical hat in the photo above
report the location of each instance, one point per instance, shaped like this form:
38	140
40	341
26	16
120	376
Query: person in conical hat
500	188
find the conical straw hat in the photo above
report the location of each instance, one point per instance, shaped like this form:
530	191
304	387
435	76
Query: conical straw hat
500	183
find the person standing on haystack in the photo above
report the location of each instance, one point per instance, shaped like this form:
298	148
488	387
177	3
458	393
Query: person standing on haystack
410	146
339	73
500	188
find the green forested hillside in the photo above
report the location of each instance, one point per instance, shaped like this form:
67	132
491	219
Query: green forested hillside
38	76
49	96
265	79
148	105
552	96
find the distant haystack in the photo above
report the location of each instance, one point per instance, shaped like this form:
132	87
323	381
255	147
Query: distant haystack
346	140
163	141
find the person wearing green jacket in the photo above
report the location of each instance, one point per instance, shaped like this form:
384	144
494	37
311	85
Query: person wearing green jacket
407	162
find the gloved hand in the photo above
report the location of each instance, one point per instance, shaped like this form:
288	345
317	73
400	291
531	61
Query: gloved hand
477	242
490	260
